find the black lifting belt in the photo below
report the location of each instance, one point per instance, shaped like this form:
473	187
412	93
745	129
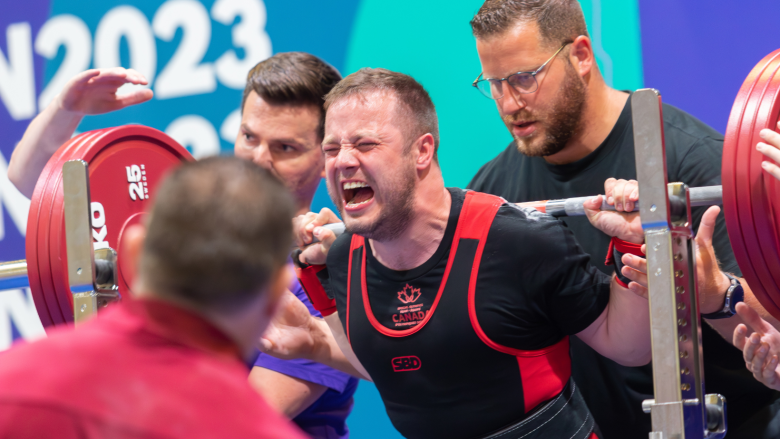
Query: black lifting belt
565	416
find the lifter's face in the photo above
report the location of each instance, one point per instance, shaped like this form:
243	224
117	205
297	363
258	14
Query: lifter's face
541	122
369	165
284	140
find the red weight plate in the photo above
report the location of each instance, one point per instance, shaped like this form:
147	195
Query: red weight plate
754	204
744	206
55	190
63	304
749	199
53	180
116	158
729	177
761	198
31	240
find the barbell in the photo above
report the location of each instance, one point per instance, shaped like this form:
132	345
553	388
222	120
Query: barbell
125	164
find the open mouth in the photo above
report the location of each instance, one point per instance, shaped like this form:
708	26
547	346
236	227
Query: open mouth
357	193
523	129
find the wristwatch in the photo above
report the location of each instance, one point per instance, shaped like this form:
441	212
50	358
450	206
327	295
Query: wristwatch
734	295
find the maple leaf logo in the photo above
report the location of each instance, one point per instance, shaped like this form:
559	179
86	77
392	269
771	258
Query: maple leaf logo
409	294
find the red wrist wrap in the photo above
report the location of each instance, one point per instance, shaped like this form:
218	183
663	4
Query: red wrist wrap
620	247
313	288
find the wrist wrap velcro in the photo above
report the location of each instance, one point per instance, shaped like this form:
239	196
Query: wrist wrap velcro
311	284
617	248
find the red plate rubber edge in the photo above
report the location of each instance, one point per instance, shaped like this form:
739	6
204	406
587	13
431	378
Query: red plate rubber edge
31	240
55	202
89	152
53	185
56	234
753	204
746	185
761	199
730	177
31	246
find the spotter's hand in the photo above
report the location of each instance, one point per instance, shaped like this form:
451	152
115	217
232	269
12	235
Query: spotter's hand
760	345
713	283
635	268
623	194
771	149
625	226
308	226
290	335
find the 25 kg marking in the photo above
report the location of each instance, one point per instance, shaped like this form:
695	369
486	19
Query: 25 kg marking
136	176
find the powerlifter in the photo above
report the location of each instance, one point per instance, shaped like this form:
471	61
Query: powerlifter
456	304
572	132
281	130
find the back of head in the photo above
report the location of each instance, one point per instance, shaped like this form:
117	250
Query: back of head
416	105
558	20
218	231
292	78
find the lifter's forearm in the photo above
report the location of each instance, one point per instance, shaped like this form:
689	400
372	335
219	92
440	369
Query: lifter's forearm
333	348
47	132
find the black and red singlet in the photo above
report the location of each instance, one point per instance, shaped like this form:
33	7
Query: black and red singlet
475	340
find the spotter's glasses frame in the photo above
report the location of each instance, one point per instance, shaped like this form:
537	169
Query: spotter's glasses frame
523	82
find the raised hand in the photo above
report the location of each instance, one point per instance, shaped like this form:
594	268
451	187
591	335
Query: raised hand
95	91
90	92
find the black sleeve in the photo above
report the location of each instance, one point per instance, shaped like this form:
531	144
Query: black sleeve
701	166
535	283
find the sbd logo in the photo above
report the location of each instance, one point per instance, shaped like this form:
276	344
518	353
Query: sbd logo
405	364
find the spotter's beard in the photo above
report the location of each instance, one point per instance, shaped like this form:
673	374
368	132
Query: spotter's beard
559	124
396	214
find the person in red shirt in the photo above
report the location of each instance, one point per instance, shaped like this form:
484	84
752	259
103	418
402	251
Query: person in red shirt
171	360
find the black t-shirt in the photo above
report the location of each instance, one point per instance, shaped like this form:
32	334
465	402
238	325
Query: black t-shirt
535	284
693	152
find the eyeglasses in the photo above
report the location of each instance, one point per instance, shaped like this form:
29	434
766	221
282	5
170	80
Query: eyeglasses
523	82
